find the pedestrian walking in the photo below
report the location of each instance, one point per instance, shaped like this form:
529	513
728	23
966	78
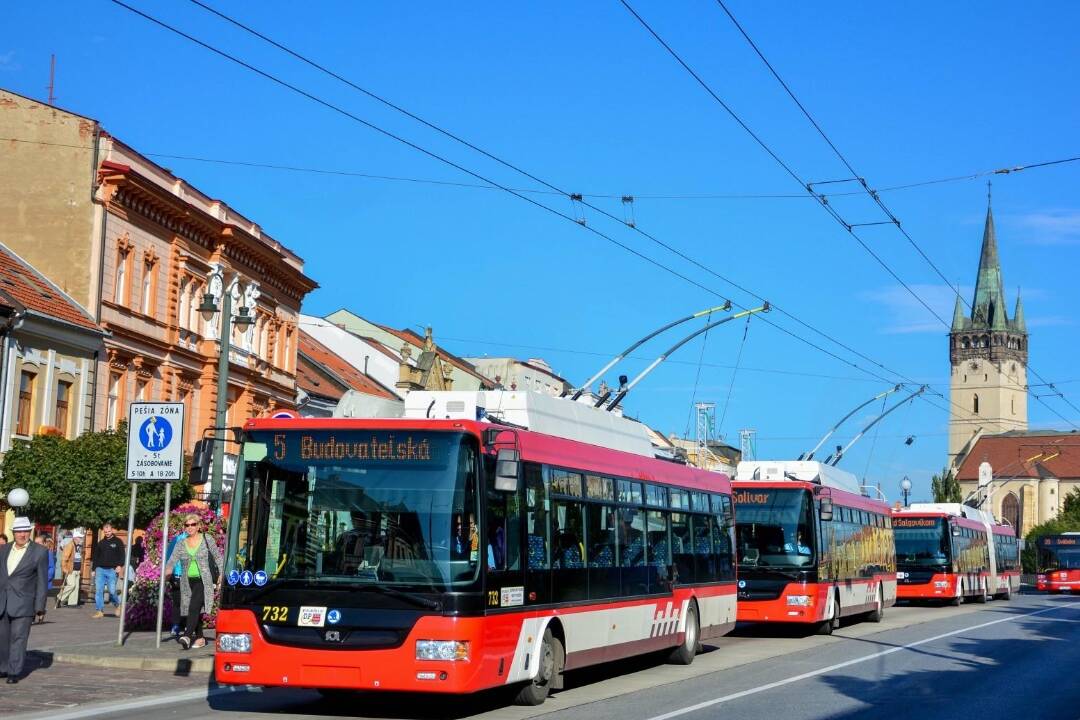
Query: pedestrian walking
71	559
200	576
23	587
45	540
138	552
108	566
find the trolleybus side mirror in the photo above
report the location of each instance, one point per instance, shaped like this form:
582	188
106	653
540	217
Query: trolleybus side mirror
956	531
825	512
506	470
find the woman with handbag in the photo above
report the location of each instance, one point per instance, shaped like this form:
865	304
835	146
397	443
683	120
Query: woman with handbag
200	564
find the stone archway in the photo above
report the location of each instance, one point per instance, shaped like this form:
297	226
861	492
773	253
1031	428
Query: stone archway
1010	510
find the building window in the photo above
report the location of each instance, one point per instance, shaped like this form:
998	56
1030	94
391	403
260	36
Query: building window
197	290
142	390
116	381
26	403
975	404
1012	405
121	294
148	288
63	402
184	311
1010	510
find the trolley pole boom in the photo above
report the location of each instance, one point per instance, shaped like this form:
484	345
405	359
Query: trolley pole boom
834	428
875	421
641	376
618	358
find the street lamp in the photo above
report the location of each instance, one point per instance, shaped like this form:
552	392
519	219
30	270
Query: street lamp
905	487
243	320
18	498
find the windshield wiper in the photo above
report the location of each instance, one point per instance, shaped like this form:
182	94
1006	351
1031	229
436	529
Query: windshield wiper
400	594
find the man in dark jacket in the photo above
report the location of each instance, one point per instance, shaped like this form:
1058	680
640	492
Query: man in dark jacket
24	570
108	566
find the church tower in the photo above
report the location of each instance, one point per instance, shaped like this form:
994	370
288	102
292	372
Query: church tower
988	353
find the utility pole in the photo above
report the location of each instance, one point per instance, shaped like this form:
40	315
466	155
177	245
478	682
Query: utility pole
706	415
748	443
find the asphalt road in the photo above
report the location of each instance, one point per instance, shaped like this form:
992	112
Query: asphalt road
1002	660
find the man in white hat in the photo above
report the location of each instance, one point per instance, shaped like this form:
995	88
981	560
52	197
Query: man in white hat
24	571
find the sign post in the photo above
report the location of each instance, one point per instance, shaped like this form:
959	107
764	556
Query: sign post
155	453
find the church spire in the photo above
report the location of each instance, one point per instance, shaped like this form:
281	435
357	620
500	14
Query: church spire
958	319
988	308
1018	315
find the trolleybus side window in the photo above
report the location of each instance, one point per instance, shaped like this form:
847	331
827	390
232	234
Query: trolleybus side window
600	547
570	580
682	545
633	551
659	549
723	533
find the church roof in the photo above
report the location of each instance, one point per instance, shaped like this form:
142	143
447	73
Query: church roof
1025	454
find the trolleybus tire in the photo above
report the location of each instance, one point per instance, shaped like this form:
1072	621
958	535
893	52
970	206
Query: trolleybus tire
826	627
684	654
955	602
550	663
1007	595
878	612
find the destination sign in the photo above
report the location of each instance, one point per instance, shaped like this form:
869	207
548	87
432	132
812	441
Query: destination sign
315	447
914	522
745	497
1058	541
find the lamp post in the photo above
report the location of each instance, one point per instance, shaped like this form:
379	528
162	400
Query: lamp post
905	488
208	308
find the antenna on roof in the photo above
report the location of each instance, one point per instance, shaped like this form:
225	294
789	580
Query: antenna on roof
618	358
52	79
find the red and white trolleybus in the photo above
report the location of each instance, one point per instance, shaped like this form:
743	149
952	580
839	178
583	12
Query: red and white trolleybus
484	539
811	547
949	551
1058	560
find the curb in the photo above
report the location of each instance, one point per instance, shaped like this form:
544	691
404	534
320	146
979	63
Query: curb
176	666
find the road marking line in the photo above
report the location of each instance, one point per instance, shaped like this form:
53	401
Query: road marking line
170	699
838	666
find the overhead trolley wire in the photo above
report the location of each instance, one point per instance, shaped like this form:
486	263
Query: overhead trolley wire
874	195
457	166
575	197
808	186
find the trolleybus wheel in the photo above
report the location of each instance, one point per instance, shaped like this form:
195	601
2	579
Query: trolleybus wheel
684	654
550	662
827	627
1007	595
878	612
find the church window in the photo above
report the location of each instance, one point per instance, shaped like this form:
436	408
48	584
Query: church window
965	343
965	378
986	377
1010	510
975	404
1012	405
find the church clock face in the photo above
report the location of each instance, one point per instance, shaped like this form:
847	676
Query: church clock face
974	364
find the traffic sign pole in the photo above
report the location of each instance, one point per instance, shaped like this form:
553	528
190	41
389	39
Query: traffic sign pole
127	563
155	453
164	556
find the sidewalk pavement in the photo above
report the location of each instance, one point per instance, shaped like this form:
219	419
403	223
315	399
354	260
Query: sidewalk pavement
73	659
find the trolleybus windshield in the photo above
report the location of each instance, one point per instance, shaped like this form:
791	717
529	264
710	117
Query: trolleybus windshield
381	508
921	542
774	528
1059	554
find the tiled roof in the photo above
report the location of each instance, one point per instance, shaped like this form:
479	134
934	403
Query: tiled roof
388	352
413	339
1025	455
313	382
329	362
24	285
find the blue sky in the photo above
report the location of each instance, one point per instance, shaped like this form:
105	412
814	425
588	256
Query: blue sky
579	94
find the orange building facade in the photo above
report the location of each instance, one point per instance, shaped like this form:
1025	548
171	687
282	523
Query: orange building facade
136	248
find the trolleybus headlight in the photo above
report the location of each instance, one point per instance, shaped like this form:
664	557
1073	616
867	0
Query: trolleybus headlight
234	642
442	650
799	600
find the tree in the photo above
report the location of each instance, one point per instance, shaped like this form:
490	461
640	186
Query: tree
81	481
1071	505
946	487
